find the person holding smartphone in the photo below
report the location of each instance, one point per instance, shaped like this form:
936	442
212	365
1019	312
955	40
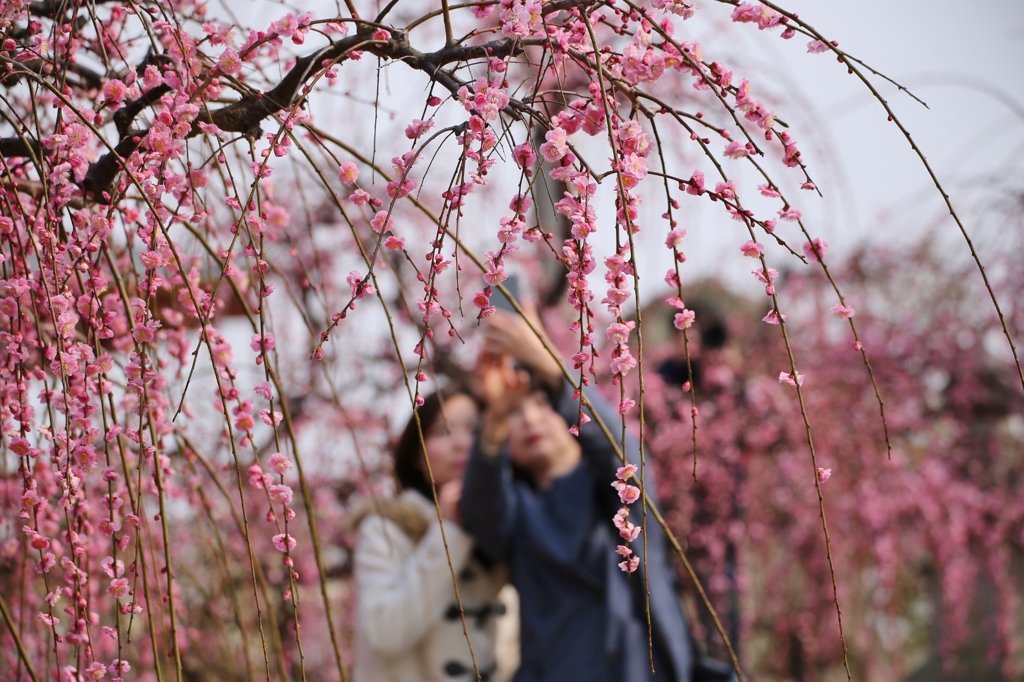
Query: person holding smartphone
540	500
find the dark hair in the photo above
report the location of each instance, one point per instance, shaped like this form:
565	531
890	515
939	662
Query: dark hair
408	451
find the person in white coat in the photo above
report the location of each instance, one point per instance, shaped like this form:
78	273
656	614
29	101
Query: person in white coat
409	627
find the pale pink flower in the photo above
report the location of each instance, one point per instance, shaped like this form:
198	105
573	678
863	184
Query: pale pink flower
257	479
684	319
629	532
764	16
287	24
736	150
816	46
823	474
393	243
787	378
113	569
773	317
264	391
114	91
618	332
152	260
229	62
21	447
348	173
524	155
634	169
629	494
280	463
280	493
840	310
283	542
119	588
621	364
262	344
675	239
244	422
556	146
816	249
752	249
696	184
682	8
481	11
623	550
270	418
726	190
630	565
418	127
361	198
358	287
152	77
481	300
29	499
789	214
625	472
382	222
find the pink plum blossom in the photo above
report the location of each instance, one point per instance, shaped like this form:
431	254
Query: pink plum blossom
283	542
752	249
816	249
556	145
280	493
684	319
349	173
382	222
840	310
787	378
418	127
229	62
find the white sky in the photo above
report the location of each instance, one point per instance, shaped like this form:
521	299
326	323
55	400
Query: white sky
963	59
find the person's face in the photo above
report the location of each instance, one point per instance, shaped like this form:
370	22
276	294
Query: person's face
450	438
538	436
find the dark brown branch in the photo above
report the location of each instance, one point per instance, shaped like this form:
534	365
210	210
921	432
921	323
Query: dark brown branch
19	146
99	179
88	78
245	115
124	116
49	8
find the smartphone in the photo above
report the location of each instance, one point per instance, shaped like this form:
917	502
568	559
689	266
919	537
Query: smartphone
500	301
